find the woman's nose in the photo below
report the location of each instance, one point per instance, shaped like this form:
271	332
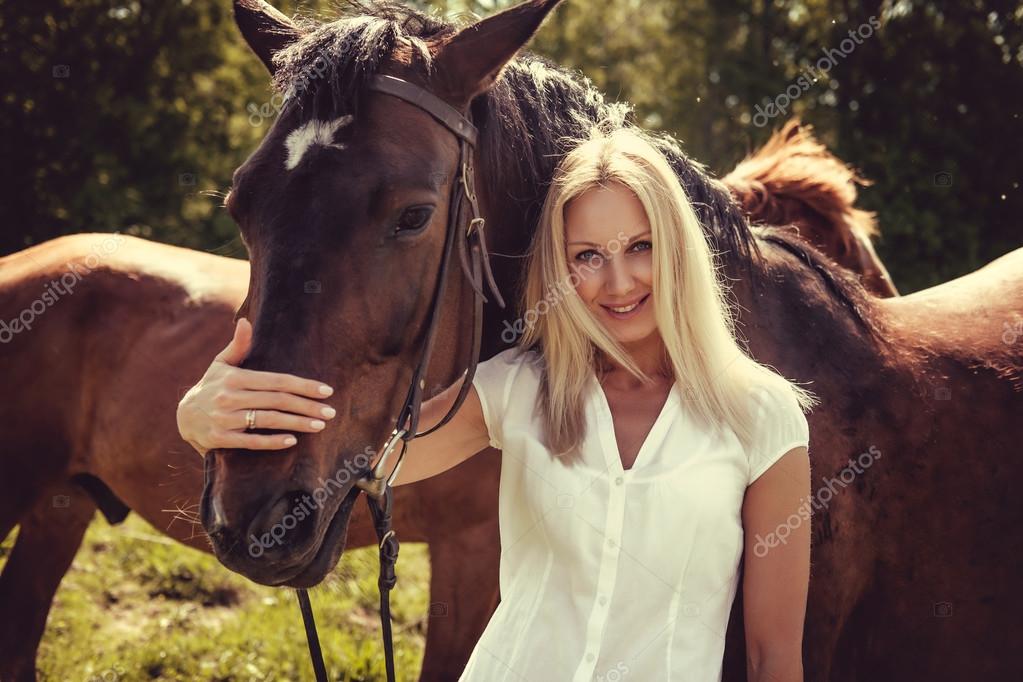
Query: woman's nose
619	278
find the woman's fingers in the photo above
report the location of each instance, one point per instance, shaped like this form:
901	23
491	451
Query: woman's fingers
271	400
240	440
272	419
220	402
230	430
257	380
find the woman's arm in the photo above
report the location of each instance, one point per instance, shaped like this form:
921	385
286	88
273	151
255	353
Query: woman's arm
776	523
463	436
212	413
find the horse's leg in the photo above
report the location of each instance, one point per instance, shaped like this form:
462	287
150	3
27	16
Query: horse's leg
464	569
48	539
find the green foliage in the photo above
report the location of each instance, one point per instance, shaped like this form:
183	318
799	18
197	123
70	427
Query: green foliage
932	97
125	116
132	116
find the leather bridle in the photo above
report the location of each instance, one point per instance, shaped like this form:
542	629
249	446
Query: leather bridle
476	265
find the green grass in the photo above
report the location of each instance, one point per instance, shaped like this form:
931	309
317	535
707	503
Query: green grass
138	606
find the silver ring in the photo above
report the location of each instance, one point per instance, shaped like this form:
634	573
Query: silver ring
250	420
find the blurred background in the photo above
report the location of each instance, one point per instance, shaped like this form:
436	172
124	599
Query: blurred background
129	116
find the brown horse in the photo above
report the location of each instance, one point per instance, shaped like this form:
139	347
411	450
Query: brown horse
794	180
815	324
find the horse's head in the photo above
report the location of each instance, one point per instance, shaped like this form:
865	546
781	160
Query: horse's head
795	181
343	209
844	234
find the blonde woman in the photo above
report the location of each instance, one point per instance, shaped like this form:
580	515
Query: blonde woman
642	449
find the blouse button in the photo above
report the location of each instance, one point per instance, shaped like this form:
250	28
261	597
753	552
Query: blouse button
603	601
589	658
619	480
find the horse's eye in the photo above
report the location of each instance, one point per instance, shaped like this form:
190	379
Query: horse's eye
414	219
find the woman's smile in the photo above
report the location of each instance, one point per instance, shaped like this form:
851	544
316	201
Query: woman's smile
625	311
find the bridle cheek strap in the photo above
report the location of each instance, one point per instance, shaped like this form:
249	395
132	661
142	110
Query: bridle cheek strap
475	262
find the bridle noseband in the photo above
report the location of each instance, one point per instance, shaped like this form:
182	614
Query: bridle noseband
472	252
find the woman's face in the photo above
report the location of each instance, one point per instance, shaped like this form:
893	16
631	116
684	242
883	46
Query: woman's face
608	245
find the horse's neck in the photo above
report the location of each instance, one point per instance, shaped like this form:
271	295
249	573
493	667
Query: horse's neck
795	325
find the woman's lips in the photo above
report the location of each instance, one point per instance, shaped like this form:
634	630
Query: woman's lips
637	307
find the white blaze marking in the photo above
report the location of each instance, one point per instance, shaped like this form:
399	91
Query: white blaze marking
312	133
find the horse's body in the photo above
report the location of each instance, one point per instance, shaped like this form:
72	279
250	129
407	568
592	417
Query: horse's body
890	551
915	558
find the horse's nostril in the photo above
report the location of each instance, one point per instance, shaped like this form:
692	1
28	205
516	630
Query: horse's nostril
213	519
290	521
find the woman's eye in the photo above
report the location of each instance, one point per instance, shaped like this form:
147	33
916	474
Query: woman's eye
415	218
645	244
590	256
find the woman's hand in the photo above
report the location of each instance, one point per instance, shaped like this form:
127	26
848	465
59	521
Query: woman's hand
212	413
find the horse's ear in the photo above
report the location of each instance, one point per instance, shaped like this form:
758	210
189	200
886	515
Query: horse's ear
266	30
792	129
470	61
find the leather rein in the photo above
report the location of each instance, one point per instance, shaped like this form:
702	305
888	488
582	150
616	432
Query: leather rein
472	252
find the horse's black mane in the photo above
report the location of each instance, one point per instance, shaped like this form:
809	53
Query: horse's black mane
530	117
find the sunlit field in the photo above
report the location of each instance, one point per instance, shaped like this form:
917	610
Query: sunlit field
138	606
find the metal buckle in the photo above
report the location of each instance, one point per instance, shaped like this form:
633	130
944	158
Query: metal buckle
475	225
469	182
374	483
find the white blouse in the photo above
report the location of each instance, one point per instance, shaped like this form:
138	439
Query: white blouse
609	574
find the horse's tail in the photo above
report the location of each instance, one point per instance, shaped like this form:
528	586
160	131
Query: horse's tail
794	173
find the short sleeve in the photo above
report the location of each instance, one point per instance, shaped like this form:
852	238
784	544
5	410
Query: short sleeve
492	382
780	426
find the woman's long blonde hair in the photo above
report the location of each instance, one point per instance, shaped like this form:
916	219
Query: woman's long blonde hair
715	374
